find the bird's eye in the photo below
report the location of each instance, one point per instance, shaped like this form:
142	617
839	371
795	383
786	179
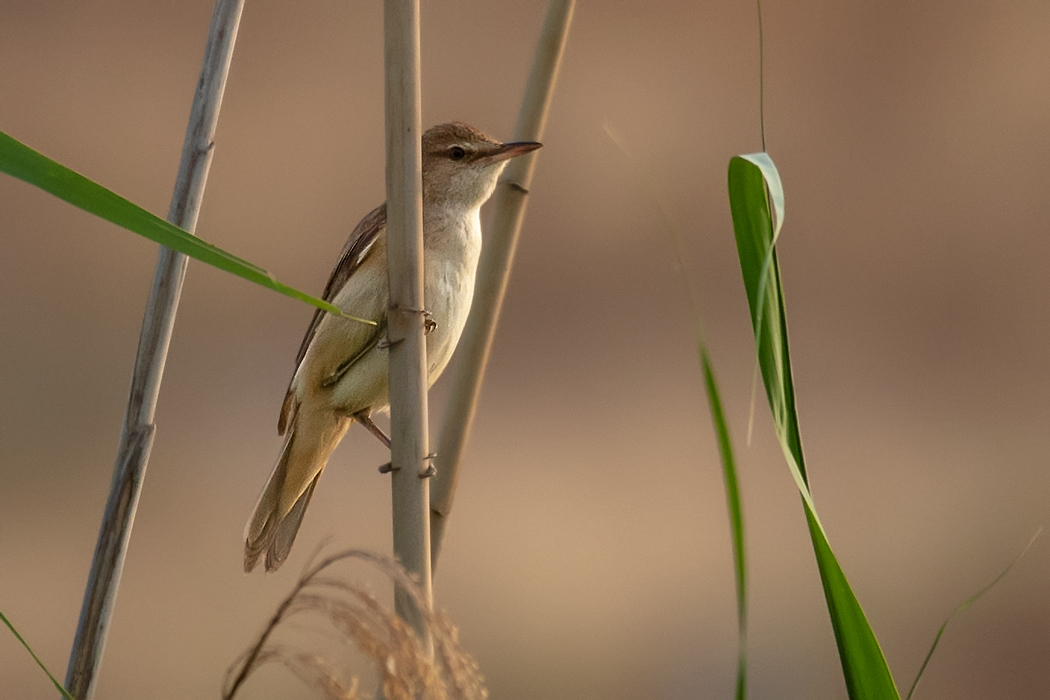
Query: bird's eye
456	153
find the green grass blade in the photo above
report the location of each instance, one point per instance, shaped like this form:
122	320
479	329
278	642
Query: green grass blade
22	162
757	202
725	447
65	693
962	606
736	517
863	666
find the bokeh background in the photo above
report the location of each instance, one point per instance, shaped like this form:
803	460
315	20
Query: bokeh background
588	555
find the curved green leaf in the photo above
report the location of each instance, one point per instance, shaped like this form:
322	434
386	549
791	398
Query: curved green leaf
962	606
736	517
58	686
725	446
21	161
756	199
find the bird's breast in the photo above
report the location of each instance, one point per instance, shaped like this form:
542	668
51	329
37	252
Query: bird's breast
451	261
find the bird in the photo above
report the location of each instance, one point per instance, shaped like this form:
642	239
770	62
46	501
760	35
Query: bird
341	370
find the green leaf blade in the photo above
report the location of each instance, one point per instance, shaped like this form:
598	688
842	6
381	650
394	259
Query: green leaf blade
58	686
736	516
22	162
864	667
757	204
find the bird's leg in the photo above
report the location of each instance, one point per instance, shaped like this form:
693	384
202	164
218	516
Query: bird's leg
364	419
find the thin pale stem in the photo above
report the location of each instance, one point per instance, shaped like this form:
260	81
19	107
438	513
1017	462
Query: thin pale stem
761	78
159	319
497	258
405	331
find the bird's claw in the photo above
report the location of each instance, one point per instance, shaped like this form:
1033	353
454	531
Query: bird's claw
430	471
429	324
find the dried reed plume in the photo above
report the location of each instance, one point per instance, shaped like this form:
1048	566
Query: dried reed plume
406	671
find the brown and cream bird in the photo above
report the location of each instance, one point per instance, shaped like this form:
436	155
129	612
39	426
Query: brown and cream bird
341	370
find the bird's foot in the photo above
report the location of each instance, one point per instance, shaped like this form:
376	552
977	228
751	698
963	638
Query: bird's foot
429	326
430	471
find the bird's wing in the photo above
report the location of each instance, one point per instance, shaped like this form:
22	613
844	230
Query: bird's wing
355	252
357	248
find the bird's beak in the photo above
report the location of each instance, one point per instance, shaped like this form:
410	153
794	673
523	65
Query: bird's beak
507	151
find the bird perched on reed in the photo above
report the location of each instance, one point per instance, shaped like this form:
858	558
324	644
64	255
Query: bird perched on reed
341	373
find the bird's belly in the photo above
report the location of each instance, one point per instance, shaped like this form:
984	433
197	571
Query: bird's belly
448	293
365	387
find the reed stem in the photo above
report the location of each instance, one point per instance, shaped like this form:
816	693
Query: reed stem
497	258
405	330
138	430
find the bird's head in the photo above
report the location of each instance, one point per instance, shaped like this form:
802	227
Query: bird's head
461	164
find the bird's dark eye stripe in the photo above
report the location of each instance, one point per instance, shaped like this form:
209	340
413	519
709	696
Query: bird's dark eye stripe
456	153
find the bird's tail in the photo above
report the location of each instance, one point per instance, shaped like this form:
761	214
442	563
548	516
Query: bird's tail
279	512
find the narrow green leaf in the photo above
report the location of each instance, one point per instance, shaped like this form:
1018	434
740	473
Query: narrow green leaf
58	686
736	517
22	162
962	606
725	447
756	199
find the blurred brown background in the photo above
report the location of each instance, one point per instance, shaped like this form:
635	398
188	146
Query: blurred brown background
588	556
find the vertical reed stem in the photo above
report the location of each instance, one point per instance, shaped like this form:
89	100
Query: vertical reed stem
138	430
497	257
405	324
